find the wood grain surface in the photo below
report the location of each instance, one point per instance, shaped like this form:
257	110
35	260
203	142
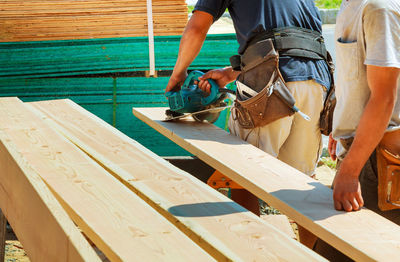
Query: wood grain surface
121	224
39	221
362	235
223	228
26	20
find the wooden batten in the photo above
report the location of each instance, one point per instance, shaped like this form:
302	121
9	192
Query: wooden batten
26	20
298	196
223	228
115	219
39	221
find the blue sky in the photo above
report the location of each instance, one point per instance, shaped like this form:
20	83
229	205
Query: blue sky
191	2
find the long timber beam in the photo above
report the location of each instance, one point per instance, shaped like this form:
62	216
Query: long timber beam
362	235
121	224
223	228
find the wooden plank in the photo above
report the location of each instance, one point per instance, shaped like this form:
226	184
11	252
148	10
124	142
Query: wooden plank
226	230
39	221
362	235
282	223
121	224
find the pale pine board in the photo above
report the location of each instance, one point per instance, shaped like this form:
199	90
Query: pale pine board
222	227
39	221
281	222
121	224
362	235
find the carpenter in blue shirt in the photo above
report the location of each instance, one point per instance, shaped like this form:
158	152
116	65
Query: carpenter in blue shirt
253	16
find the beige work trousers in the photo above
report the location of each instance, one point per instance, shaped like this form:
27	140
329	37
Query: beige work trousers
293	139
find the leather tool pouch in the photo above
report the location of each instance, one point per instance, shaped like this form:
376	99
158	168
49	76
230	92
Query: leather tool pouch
262	95
388	165
326	116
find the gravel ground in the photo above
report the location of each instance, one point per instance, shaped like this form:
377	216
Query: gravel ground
15	252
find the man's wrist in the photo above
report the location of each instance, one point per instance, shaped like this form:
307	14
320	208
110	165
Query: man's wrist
178	73
232	74
351	167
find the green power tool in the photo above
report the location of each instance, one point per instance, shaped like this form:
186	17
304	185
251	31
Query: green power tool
190	100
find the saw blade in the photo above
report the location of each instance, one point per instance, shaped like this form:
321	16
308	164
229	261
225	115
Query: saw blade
209	110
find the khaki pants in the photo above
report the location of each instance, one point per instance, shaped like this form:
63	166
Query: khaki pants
293	140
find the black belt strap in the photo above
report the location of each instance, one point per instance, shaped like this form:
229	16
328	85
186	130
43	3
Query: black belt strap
291	41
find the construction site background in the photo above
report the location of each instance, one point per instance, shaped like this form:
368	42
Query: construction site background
325	171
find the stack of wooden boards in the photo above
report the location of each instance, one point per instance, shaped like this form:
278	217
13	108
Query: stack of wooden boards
362	235
63	167
35	20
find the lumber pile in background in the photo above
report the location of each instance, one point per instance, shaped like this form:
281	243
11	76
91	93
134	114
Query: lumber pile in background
34	20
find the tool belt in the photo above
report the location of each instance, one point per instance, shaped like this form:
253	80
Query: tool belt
262	96
388	165
260	73
326	116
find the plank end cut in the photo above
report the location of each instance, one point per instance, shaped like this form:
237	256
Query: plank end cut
38	219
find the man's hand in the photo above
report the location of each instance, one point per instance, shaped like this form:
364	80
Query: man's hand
332	147
221	76
176	81
382	82
347	191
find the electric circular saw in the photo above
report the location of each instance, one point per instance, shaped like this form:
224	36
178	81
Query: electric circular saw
190	100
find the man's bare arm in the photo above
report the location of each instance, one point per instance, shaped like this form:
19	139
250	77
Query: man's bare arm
382	82
191	42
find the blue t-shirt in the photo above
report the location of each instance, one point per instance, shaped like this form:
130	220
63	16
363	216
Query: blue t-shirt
253	16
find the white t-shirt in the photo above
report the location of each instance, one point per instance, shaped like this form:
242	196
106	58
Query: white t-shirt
367	33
